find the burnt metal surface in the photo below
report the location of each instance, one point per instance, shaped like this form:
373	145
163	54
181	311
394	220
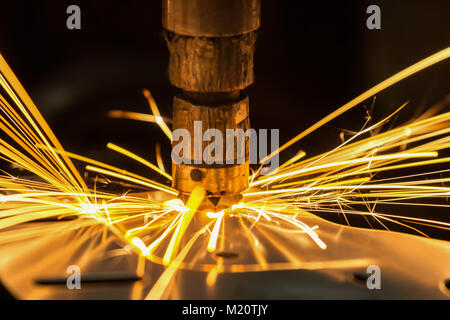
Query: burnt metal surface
224	179
220	64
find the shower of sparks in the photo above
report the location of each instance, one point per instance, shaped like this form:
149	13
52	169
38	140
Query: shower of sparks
340	182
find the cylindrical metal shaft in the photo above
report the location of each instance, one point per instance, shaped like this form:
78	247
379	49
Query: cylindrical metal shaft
211	18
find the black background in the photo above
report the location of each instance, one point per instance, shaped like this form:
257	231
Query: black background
311	57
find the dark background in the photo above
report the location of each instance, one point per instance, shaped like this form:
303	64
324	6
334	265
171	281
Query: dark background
311	58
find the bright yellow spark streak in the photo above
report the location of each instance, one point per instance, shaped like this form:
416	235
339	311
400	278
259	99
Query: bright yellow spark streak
176	205
429	225
421	137
423	64
260	212
24	162
306	229
129	175
159	159
135	116
27	140
164	280
193	203
155	111
137	242
144	227
15	154
40	198
402	224
156	243
211	278
213	238
14	220
352	187
407	165
252	241
330	178
127	178
135	157
295	158
385	137
343	163
105	208
358	180
41	195
447	224
12	79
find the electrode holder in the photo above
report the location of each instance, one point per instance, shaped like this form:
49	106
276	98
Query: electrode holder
211	45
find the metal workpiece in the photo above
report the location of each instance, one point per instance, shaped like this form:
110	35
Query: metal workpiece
211	18
203	64
412	267
219	178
